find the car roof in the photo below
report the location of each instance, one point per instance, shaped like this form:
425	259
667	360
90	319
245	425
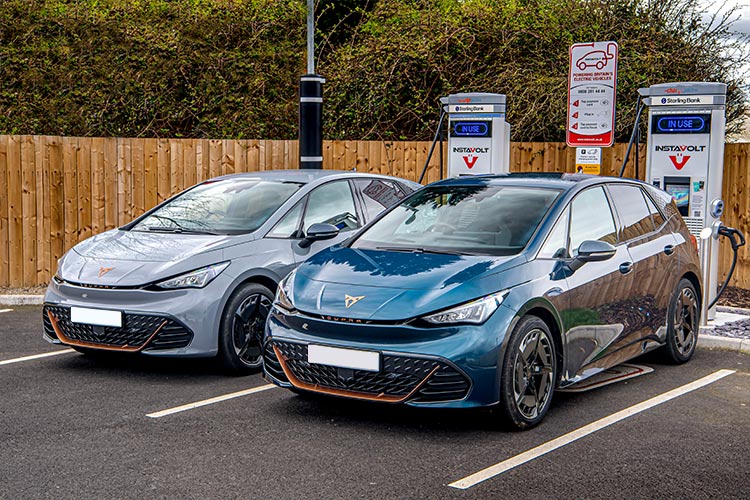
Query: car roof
303	176
551	180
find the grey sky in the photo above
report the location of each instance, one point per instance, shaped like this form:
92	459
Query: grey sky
741	24
742	14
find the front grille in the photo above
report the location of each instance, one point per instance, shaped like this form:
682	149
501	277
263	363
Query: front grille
398	379
272	365
137	329
446	384
172	336
48	330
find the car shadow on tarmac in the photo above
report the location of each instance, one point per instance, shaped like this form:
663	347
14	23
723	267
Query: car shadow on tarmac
118	364
364	414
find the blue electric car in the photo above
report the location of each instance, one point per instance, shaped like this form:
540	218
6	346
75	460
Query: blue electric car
490	290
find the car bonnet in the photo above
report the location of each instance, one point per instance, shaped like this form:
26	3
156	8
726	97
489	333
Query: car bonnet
387	286
130	258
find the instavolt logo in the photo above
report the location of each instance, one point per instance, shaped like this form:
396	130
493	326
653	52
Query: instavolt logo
680	149
470	150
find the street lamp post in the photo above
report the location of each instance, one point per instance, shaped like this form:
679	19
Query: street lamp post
311	103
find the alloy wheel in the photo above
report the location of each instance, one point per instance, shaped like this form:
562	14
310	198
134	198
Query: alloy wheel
685	321
248	323
533	373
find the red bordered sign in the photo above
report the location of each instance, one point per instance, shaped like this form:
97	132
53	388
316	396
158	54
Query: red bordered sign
592	85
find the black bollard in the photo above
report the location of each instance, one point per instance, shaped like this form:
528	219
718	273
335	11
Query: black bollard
311	121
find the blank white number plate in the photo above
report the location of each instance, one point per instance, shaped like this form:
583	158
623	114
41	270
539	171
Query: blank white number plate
344	358
99	317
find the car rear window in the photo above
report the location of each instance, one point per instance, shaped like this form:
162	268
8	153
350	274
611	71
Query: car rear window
378	194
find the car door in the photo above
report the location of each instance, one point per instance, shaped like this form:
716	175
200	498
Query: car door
596	291
331	203
652	252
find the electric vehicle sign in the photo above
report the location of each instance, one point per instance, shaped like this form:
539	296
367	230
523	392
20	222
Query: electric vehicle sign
592	83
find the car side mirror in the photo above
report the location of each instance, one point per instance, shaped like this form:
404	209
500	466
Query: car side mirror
595	251
590	251
317	232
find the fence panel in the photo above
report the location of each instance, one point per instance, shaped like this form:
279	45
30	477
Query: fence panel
56	191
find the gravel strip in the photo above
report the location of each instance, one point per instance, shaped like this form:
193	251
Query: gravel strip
735	310
735	330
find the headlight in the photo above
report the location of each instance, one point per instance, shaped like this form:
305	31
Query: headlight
283	293
58	274
195	279
476	311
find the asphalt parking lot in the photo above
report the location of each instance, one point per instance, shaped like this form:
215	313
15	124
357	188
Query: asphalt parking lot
72	426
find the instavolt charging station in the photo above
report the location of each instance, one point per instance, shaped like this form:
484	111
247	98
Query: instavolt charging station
686	125
478	135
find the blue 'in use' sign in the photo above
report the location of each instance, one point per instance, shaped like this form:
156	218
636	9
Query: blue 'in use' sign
681	124
471	128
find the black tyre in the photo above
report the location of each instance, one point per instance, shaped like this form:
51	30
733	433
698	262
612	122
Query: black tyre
529	374
241	328
683	323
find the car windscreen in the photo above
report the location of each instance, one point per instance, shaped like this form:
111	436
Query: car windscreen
461	219
230	206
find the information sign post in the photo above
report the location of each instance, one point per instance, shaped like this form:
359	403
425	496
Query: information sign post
591	94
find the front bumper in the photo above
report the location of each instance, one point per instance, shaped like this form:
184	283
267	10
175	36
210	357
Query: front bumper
448	367
139	332
170	323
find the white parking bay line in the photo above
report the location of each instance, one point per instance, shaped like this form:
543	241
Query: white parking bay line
205	402
577	434
35	356
5	310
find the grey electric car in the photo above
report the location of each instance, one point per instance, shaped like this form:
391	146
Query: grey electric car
196	275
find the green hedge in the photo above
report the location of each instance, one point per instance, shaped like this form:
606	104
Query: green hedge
408	53
230	68
151	68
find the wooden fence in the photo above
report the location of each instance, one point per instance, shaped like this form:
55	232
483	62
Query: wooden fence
57	191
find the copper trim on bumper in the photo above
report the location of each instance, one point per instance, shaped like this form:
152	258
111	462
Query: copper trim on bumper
342	392
79	343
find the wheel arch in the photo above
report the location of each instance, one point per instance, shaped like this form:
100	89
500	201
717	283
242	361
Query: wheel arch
227	349
260	276
546	311
695	281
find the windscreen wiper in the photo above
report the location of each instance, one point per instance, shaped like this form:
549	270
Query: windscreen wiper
423	250
165	229
178	230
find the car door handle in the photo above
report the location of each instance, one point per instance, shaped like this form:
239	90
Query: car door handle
626	267
669	249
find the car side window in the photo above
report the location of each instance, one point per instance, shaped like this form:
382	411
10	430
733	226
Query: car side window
287	226
633	211
378	194
655	214
332	203
591	219
556	246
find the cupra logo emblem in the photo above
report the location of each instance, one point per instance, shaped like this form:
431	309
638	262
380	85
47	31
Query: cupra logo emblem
104	270
350	301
